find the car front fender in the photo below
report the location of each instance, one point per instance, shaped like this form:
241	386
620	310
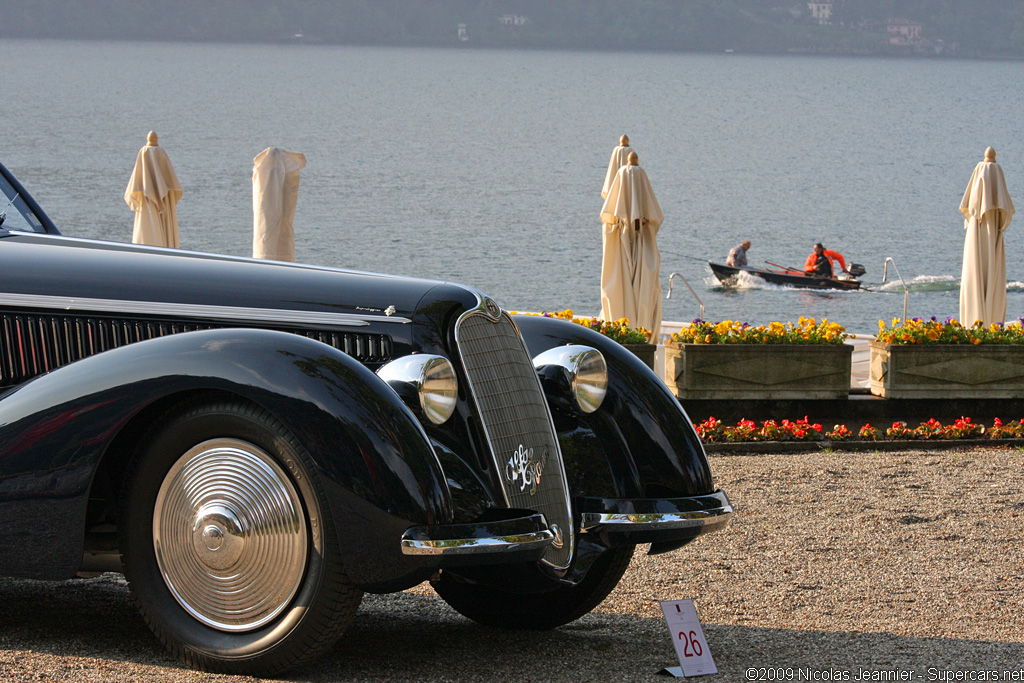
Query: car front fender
379	470
640	442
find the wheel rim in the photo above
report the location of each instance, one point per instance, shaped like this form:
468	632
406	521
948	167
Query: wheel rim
230	535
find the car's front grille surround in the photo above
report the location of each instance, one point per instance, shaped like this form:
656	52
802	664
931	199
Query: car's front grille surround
33	344
516	421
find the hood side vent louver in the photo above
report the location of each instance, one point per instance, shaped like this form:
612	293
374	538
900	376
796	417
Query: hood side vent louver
31	345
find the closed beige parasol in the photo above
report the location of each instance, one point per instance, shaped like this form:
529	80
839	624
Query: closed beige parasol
153	193
987	210
275	194
631	263
620	157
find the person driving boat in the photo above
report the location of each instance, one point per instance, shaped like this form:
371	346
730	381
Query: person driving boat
819	262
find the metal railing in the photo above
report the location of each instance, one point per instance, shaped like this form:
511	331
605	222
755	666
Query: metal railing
885	277
669	295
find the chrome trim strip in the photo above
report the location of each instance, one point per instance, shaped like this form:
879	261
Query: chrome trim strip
475	546
205	311
708	519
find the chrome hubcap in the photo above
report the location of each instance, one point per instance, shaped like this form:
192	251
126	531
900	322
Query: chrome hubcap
218	536
230	535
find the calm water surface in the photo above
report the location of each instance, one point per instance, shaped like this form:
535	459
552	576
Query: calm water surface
485	167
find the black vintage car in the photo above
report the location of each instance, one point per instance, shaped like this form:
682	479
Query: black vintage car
255	444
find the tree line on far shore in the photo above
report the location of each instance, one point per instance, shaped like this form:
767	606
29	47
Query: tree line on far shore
974	28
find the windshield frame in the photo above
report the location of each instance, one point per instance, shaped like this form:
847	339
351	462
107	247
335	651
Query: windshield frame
24	205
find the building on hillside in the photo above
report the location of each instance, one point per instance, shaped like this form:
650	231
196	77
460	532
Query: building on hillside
821	12
904	33
513	20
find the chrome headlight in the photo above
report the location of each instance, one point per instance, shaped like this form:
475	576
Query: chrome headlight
579	371
426	382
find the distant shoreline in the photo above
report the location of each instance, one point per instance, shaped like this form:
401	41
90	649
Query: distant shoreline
792	52
981	29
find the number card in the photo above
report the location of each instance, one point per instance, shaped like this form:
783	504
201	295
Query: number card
688	638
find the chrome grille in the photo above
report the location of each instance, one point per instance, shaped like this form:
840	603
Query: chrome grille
33	344
515	417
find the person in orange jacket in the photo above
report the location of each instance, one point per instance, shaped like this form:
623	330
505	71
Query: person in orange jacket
820	261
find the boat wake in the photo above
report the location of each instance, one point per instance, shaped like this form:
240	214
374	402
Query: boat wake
742	281
921	283
935	283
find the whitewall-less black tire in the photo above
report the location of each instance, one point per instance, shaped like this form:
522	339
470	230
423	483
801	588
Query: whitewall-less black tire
230	555
535	611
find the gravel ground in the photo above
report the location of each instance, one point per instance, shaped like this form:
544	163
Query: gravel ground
886	566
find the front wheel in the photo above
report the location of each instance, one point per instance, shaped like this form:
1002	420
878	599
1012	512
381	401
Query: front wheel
535	611
226	543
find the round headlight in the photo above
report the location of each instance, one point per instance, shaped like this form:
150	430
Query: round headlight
591	383
426	382
580	371
438	390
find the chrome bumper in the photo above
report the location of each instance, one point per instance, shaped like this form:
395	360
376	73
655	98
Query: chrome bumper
512	540
654	520
613	521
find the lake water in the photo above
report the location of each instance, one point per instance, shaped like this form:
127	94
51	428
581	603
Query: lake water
485	167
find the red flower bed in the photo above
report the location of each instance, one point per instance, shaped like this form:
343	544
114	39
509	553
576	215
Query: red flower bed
713	430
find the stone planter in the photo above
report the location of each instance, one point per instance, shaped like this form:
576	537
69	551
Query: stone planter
758	371
947	370
644	352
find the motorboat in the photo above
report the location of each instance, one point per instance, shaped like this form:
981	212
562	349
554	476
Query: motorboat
789	277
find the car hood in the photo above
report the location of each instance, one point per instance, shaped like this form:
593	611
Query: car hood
47	266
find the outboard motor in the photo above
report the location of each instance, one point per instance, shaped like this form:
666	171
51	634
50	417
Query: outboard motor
856	270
